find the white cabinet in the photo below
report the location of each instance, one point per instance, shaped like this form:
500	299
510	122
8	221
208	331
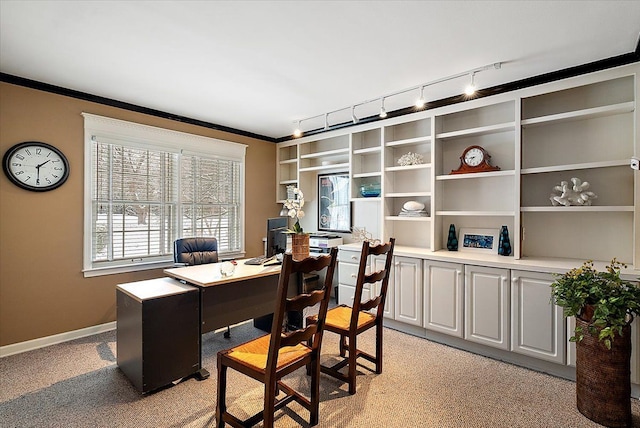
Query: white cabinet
407	286
487	306
537	325
444	297
348	265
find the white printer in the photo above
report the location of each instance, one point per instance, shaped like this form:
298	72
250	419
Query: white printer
323	242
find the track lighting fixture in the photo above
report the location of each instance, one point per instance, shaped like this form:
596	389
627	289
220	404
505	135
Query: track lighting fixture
420	102
383	112
471	88
297	132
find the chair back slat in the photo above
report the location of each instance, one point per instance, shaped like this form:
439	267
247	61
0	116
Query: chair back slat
302	301
370	304
310	265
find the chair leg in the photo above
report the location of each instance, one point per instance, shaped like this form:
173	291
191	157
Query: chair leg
343	346
379	347
315	392
227	334
270	389
221	406
353	353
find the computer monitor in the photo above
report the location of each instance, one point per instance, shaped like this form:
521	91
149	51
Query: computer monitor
276	236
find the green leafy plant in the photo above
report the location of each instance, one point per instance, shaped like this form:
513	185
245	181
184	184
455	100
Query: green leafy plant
615	301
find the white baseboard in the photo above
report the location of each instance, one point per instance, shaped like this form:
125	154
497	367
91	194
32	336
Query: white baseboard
30	345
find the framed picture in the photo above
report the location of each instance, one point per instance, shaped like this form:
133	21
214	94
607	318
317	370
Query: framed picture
334	208
480	240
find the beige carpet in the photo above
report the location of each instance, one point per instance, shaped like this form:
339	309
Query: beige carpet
423	384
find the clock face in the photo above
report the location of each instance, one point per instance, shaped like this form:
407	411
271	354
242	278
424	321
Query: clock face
36	166
474	156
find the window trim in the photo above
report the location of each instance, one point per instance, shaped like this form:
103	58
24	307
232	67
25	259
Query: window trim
159	138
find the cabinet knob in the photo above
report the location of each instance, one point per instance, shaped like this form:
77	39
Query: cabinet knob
354	258
353	275
515	279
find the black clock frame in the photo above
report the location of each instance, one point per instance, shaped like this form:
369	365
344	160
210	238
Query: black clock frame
9	153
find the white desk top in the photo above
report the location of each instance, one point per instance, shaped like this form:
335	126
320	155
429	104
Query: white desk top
208	275
154	288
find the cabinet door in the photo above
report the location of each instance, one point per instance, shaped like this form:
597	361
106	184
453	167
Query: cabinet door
378	264
408	290
487	306
443	297
537	325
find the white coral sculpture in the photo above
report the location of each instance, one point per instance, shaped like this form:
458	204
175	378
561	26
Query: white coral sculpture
410	159
576	194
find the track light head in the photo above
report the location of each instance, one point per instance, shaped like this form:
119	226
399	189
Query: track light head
383	112
354	118
297	132
420	102
471	88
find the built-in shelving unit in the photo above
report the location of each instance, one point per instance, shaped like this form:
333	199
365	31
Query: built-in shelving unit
584	127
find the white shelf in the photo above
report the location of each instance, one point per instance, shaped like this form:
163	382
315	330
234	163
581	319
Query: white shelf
328	153
289	182
575	166
476	213
408	167
367	174
407	194
288	161
402	218
589	113
367	151
409	141
502	173
482	130
344	166
592	208
362	198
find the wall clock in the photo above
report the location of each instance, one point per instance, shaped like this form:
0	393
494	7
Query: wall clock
36	166
474	159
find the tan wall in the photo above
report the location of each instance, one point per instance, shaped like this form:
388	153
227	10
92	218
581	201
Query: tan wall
42	288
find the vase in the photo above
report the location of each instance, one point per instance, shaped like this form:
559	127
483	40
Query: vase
603	376
504	244
452	241
300	246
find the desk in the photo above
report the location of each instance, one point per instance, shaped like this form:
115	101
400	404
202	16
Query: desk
249	293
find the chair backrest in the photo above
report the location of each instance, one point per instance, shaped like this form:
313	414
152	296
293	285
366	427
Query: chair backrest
195	251
284	304
378	299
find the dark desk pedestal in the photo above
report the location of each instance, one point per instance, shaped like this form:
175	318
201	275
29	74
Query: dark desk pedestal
158	336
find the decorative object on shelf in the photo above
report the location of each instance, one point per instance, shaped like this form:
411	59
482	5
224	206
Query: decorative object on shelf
572	194
334	206
36	166
361	235
410	159
299	239
452	241
413	209
371	190
604	305
504	244
474	159
479	240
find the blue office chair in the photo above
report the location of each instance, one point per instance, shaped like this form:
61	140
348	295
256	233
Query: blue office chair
197	251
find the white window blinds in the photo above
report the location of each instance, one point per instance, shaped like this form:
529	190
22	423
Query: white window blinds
144	193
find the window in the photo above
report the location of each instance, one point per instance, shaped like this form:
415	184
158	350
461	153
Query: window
147	186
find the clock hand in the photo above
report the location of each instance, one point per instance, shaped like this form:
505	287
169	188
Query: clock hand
38	166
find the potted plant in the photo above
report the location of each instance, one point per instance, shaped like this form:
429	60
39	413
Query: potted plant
604	305
299	239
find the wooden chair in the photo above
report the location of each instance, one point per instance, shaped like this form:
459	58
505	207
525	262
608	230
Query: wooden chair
349	322
270	357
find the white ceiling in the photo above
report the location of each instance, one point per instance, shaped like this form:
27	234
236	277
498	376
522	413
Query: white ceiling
259	66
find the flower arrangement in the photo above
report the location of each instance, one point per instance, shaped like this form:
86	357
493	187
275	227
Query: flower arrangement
614	301
294	206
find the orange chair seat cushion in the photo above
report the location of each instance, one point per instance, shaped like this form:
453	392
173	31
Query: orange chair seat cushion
340	317
256	351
